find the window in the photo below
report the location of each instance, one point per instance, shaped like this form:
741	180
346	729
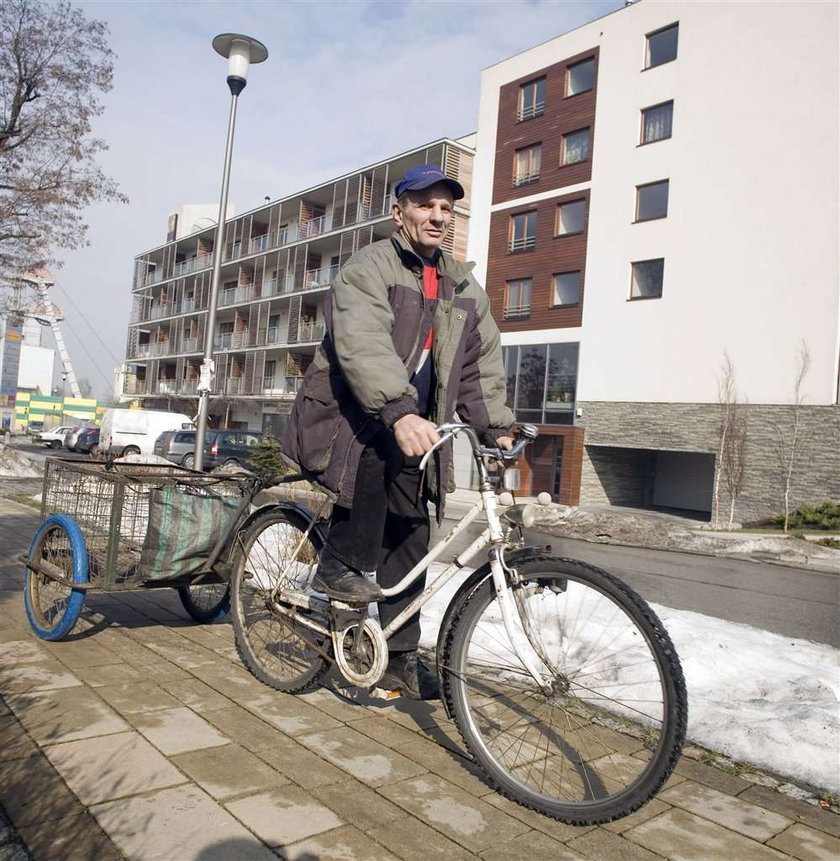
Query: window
647	279
542	382
656	122
575	147
518	298
526	164
570	217
532	99
581	77
566	289
523	231
652	200
662	46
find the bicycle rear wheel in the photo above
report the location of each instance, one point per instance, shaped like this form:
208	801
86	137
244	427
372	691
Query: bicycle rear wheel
277	649
206	602
607	730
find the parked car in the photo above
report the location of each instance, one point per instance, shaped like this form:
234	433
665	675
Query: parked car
71	436
87	440
54	438
228	446
177	446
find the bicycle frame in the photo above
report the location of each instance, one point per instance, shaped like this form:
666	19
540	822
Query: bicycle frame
494	537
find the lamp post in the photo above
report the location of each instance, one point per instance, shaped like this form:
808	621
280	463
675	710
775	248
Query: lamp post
240	51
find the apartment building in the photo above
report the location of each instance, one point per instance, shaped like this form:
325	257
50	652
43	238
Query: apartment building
278	263
654	193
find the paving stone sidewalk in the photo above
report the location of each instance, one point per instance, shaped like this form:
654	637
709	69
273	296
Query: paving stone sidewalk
141	736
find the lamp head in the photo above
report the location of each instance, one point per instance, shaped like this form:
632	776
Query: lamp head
240	51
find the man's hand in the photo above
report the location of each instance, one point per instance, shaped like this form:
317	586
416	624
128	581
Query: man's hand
505	442
415	436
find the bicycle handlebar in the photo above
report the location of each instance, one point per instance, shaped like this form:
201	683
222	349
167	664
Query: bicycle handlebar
526	433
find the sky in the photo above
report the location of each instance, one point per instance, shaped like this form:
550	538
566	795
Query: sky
758	698
346	84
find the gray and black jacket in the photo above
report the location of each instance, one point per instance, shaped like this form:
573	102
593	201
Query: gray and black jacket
377	320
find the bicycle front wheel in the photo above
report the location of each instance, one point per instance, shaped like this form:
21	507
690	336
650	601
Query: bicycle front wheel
277	648
605	730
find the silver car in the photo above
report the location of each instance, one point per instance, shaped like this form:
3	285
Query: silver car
177	446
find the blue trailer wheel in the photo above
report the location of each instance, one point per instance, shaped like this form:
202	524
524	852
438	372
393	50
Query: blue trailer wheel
52	607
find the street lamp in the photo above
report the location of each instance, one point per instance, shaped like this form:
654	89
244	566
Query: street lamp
240	51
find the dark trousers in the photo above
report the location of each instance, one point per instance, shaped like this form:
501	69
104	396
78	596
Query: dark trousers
386	530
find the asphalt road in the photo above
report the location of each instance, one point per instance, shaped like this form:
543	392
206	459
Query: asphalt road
793	602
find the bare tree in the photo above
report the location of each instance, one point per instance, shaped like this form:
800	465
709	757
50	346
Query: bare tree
790	436
54	64
727	398
734	462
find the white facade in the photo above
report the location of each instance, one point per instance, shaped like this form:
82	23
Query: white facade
750	241
36	368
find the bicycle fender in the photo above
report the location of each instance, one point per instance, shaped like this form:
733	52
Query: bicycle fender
512	558
286	505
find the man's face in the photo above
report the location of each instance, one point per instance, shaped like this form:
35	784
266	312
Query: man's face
425	217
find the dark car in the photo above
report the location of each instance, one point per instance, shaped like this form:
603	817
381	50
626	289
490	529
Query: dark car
87	441
229	446
177	446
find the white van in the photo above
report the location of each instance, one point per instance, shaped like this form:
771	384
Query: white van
135	431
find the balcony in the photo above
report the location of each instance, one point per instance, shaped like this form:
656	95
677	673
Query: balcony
188	387
276	386
192	264
190	345
232	340
142	351
167	387
160	310
317	278
315	227
234	386
187	306
239	294
310	332
277	334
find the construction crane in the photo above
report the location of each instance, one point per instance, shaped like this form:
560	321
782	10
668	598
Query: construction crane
47	313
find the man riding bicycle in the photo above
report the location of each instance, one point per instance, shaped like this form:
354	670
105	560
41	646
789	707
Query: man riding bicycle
409	342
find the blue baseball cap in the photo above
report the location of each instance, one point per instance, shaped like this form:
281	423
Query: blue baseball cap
424	175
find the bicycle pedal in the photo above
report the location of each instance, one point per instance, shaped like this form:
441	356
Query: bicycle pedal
383	694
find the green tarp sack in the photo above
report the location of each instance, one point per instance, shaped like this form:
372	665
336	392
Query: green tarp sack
183	528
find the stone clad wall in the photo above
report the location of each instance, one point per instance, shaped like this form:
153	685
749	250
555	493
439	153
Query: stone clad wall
612	474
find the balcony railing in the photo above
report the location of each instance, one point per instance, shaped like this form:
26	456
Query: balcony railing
188	387
190	345
513	311
234	386
526	177
523	243
259	243
233	341
187	306
167	387
528	112
277	334
134	387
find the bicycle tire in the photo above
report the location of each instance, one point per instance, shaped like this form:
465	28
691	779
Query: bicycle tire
51	607
609	732
280	654
206	602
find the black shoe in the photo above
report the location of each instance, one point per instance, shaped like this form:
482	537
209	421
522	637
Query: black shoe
347	586
409	675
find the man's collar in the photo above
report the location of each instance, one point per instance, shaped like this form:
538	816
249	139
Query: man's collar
411	257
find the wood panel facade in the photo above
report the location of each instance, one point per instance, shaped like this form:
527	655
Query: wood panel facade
551	255
562	114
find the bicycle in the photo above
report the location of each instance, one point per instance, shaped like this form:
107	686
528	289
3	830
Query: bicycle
563	683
